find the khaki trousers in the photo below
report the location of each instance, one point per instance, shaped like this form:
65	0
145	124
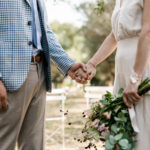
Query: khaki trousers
23	122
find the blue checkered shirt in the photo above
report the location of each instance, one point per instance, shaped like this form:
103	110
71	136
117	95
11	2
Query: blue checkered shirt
36	29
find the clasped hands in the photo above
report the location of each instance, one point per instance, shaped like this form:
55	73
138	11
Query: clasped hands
84	72
81	73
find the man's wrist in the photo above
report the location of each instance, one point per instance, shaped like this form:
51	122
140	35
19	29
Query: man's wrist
68	70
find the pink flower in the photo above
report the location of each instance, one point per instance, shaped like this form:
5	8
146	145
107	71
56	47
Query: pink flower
95	123
101	127
88	113
105	133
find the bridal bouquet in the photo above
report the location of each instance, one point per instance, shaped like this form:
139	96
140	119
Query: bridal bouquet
108	120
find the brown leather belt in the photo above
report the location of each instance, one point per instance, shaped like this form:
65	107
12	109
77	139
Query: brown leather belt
36	58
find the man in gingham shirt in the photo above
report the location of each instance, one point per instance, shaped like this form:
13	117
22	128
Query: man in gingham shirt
26	46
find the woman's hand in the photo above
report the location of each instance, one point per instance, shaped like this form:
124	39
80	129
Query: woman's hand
91	70
130	94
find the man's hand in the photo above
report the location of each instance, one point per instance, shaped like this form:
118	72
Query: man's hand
75	75
81	76
3	97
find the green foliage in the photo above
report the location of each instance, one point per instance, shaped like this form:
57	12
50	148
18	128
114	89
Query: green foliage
68	36
109	120
100	7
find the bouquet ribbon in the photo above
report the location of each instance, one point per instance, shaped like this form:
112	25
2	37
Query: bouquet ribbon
133	119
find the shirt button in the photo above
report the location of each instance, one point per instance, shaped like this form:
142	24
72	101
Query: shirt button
29	23
30	43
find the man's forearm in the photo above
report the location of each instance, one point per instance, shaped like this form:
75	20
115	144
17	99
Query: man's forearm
58	55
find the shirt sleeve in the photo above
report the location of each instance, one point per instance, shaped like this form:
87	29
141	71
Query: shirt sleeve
57	54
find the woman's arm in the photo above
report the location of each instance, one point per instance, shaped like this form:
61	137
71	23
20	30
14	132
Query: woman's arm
108	46
143	51
105	50
142	57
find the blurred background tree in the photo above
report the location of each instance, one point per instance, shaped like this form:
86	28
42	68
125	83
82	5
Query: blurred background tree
95	30
72	41
82	42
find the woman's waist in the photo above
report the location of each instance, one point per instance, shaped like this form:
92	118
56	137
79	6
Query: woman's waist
127	49
126	55
132	41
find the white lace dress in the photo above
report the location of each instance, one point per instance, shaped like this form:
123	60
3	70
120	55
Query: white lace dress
126	26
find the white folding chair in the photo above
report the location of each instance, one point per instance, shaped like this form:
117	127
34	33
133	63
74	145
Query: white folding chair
95	92
58	95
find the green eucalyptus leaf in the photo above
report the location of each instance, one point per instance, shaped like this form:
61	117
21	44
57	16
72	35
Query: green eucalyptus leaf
107	137
108	145
129	146
112	139
121	119
124	111
143	83
117	119
124	143
124	119
120	91
118	136
104	102
114	128
121	114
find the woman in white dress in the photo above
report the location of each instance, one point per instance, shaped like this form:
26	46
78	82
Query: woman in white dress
131	36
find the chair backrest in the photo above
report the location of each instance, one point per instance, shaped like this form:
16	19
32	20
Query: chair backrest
96	92
56	95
